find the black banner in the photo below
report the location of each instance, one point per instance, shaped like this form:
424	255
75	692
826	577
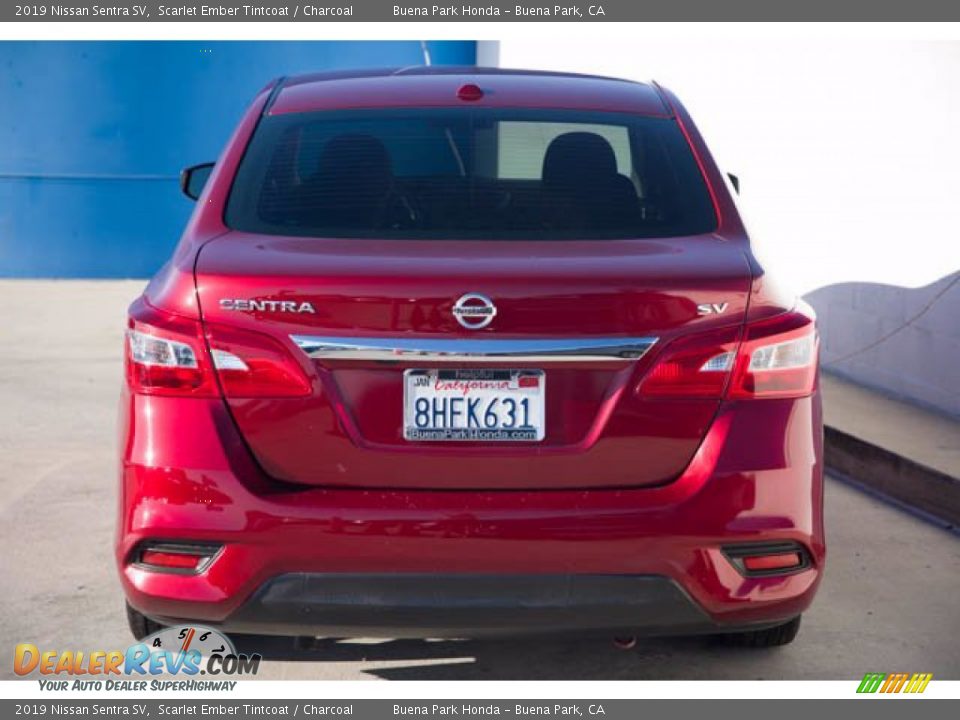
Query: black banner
478	11
214	708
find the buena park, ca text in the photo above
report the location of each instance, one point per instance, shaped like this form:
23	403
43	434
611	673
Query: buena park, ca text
451	11
545	710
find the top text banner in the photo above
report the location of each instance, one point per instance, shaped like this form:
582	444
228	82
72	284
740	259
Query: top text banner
481	11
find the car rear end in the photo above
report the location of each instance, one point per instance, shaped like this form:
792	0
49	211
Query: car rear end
446	354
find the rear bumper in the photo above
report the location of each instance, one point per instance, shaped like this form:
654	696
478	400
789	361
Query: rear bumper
422	605
433	563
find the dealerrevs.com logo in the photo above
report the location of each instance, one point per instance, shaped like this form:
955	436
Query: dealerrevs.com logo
185	650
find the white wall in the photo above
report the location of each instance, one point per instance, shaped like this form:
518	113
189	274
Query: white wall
848	152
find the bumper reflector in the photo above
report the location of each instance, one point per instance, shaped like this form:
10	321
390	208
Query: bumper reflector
170	560
770	558
176	557
785	561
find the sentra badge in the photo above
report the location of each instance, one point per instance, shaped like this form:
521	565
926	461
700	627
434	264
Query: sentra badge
286	306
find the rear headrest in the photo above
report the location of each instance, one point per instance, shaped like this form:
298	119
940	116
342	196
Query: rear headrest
356	159
576	157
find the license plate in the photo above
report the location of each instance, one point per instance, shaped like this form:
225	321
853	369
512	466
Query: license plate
481	405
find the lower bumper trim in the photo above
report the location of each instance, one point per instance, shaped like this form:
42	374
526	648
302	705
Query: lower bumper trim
466	605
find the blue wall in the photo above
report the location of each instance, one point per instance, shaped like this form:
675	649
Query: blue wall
93	136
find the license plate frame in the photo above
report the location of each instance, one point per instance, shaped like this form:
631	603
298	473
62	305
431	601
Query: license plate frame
482	385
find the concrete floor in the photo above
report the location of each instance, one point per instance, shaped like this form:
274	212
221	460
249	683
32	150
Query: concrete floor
890	600
933	439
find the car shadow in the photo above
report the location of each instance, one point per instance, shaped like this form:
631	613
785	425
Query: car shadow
553	658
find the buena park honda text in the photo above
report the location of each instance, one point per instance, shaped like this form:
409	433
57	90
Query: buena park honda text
459	352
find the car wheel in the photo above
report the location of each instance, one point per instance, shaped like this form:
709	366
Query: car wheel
770	637
140	625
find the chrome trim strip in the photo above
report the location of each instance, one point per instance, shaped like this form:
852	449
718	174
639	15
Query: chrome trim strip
602	349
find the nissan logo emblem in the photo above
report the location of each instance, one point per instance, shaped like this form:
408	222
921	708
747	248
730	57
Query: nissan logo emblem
474	311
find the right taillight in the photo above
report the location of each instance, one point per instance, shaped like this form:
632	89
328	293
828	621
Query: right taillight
773	358
697	366
777	358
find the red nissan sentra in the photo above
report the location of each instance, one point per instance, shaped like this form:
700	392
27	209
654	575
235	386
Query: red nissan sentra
460	352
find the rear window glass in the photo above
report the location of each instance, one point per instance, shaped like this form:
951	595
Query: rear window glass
469	174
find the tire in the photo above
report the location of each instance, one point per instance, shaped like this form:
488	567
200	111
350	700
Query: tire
140	625
770	637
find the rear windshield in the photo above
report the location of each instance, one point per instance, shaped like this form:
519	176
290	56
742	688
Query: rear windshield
473	173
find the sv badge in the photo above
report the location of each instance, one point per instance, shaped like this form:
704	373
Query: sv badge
712	308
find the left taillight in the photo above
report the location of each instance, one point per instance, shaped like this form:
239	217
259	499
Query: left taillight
166	355
253	365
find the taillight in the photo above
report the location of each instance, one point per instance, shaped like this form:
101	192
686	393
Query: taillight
251	365
775	358
165	355
694	366
778	358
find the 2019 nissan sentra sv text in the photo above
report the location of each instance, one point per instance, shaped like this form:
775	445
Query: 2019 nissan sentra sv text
462	352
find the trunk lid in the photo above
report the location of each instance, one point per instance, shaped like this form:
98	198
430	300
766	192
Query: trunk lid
599	432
